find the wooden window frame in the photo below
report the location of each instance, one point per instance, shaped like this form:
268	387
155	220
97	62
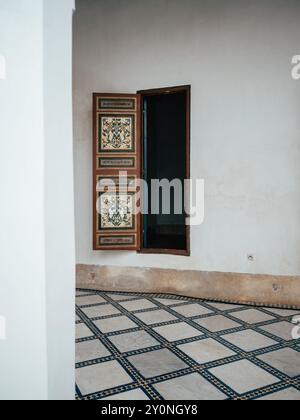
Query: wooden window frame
168	91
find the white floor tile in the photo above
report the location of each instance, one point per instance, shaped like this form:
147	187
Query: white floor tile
206	351
244	376
177	332
189	388
101	377
90	350
119	323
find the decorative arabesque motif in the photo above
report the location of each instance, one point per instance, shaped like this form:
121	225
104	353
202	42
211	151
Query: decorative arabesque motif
116	133
116	211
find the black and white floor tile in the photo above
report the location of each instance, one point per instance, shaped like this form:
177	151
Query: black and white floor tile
158	347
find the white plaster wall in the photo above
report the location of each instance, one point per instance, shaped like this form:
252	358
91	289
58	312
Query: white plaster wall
23	356
59	198
236	55
36	277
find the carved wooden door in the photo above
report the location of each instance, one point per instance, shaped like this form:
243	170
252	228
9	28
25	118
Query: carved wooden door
116	151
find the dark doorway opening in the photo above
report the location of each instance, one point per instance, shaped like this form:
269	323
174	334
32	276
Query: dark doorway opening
166	156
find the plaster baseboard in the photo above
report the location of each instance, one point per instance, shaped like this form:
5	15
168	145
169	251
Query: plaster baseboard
268	290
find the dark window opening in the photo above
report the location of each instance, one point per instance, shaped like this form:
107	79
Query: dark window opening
166	156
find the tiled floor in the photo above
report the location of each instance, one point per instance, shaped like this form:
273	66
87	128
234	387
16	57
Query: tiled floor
157	347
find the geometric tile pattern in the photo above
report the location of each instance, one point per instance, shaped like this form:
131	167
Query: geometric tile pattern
162	347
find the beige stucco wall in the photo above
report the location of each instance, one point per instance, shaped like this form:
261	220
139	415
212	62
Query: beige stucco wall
249	289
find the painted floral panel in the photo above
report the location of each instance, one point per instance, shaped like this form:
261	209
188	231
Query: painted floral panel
116	211
117	133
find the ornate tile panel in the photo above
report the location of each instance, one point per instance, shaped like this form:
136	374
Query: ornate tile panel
116	212
123	104
117	240
128	182
116	133
111	162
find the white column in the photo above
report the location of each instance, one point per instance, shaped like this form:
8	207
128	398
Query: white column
37	235
60	236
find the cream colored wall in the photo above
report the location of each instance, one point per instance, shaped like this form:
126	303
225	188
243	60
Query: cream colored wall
237	56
